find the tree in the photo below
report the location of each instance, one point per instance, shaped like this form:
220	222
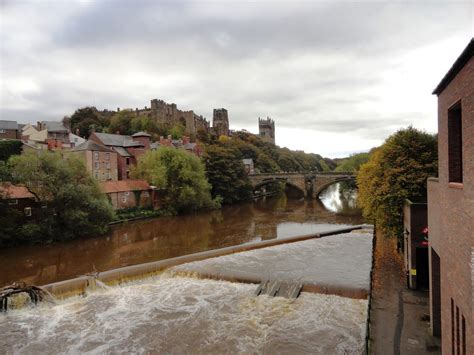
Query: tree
179	176
75	205
226	173
353	163
396	171
121	122
87	120
9	148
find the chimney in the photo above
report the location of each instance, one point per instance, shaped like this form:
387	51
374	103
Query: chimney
118	109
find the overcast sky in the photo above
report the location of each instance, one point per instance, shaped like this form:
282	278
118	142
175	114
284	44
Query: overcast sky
337	77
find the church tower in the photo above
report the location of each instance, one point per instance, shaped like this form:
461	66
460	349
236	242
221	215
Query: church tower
266	129
220	122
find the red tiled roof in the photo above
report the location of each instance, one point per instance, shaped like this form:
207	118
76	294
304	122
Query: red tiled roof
124	185
10	191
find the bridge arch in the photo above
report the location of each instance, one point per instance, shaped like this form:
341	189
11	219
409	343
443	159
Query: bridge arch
278	179
324	186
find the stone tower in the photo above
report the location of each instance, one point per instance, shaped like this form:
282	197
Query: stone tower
220	122
266	129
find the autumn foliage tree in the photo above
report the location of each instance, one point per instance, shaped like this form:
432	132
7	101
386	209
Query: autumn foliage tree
396	171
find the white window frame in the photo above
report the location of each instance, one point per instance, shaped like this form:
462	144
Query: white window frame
27	211
13	201
96	155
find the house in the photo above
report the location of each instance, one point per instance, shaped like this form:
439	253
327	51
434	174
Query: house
9	130
128	148
18	198
27	130
451	211
249	166
128	193
183	143
56	131
75	140
100	161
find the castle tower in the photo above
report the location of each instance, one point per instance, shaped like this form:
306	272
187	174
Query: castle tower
266	129
220	122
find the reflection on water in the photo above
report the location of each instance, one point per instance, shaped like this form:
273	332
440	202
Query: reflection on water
164	238
341	198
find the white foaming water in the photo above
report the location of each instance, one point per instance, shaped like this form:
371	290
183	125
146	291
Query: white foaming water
184	315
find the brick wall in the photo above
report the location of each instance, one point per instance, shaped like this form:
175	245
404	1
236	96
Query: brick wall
451	210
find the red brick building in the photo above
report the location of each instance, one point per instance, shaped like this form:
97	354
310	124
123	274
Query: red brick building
128	149
129	193
19	198
9	130
451	211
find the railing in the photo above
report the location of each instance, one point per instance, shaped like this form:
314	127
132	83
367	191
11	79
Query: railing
281	173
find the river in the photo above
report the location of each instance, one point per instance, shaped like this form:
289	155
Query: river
167	237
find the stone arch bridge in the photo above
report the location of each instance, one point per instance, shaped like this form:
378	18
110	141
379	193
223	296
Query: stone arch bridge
310	184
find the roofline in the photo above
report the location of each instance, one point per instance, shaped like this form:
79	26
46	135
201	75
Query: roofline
465	56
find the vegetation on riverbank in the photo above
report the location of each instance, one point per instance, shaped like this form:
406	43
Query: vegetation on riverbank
396	171
69	201
180	178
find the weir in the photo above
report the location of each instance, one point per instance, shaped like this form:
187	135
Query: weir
280	302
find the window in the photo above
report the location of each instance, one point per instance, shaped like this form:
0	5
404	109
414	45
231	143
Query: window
13	202
463	335
97	165
146	194
96	155
458	348
455	143
108	176
96	175
28	211
107	156
128	161
127	193
107	165
452	327
124	198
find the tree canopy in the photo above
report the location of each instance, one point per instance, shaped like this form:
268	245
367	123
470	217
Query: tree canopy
396	171
226	173
179	176
75	205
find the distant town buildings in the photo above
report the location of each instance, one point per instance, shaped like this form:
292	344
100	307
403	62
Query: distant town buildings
451	211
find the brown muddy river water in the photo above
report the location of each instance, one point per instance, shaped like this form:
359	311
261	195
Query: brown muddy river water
163	238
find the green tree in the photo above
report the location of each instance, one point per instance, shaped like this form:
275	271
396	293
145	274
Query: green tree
177	131
75	205
226	173
121	122
396	171
87	120
9	148
353	163
179	176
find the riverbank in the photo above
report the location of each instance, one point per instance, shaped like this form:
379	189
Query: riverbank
398	315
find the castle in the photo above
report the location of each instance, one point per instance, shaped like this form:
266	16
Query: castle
169	114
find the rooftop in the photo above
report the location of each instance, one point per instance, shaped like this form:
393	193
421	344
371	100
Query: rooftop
10	191
141	134
117	140
8	124
462	60
54	126
91	145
